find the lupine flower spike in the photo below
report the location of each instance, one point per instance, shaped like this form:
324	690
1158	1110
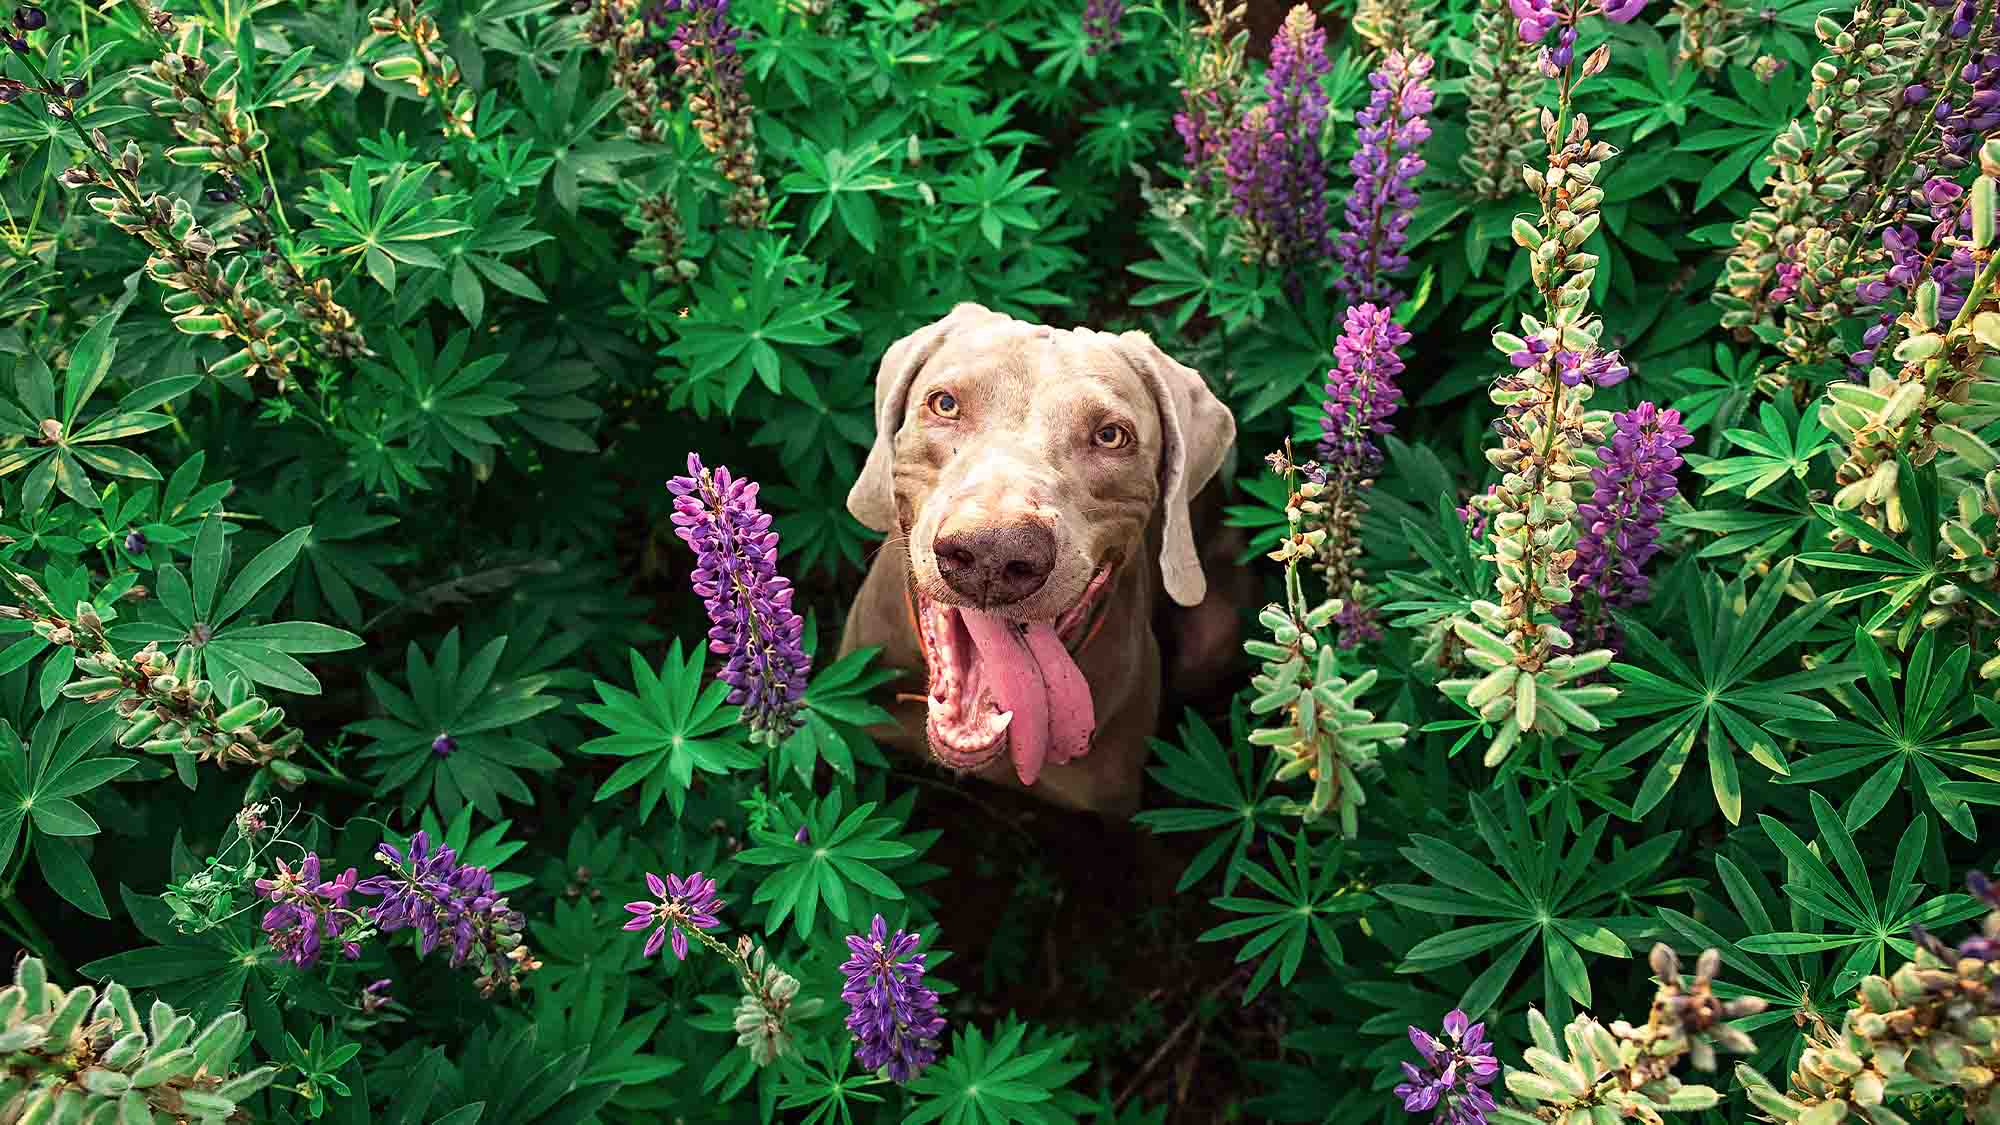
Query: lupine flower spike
1631	489
892	1014
308	911
428	890
1529	675
1392	131
1209	89
754	628
1456	1070
1361	394
1276	175
680	905
710	68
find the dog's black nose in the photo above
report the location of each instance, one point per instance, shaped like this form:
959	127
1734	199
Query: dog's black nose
997	565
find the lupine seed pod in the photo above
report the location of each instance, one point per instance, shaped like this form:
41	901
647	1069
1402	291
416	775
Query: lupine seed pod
425	67
1784	280
709	67
1546	431
85	1055
1322	733
1932	1025
769	1007
1395	25
1500	134
1626	1073
1711	31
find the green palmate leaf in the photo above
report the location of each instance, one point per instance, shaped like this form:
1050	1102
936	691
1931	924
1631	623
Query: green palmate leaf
1011	1078
838	863
668	727
1843	894
1546	892
447	739
1900	742
1308	892
1720	704
837	710
1228	788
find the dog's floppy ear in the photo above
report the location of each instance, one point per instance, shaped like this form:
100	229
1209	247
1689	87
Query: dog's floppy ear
872	500
1199	431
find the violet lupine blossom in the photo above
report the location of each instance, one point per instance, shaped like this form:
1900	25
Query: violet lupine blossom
428	890
1100	26
754	628
1966	123
1911	263
308	911
1361	392
1392	131
1457	1069
1984	945
1620	524
1535	19
892	1014
1272	163
683	904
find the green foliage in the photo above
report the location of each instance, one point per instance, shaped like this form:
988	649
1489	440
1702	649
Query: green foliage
334	331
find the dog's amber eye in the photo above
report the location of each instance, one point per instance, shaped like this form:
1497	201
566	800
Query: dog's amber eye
1112	436
944	404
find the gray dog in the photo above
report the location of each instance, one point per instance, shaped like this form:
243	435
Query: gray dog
1027	478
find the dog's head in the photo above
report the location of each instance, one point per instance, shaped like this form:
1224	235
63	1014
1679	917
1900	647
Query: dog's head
1024	464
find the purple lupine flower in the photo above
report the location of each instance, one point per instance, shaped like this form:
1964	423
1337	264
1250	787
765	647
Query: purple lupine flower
754	628
1100	26
1981	946
1965	124
710	67
1457	1069
1276	175
892	1014
444	745
428	890
1361	393
1391	132
376	996
1535	19
1621	521
307	911
135	542
683	904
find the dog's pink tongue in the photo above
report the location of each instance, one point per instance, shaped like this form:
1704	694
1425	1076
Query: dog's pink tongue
1032	676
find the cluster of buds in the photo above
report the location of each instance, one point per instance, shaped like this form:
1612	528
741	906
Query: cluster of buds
1944	389
1785	281
199	99
209	298
1395	25
621	35
1970	535
1932	1025
662	237
170	709
1500	113
167	705
1711	31
1546	431
710	68
770	1005
200	103
1323	732
426	68
1209	89
1624	1073
86	1055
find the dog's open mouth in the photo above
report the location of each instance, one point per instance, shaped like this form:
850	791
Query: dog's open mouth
997	684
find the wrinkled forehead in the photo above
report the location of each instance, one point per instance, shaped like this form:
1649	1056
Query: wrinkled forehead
1022	373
